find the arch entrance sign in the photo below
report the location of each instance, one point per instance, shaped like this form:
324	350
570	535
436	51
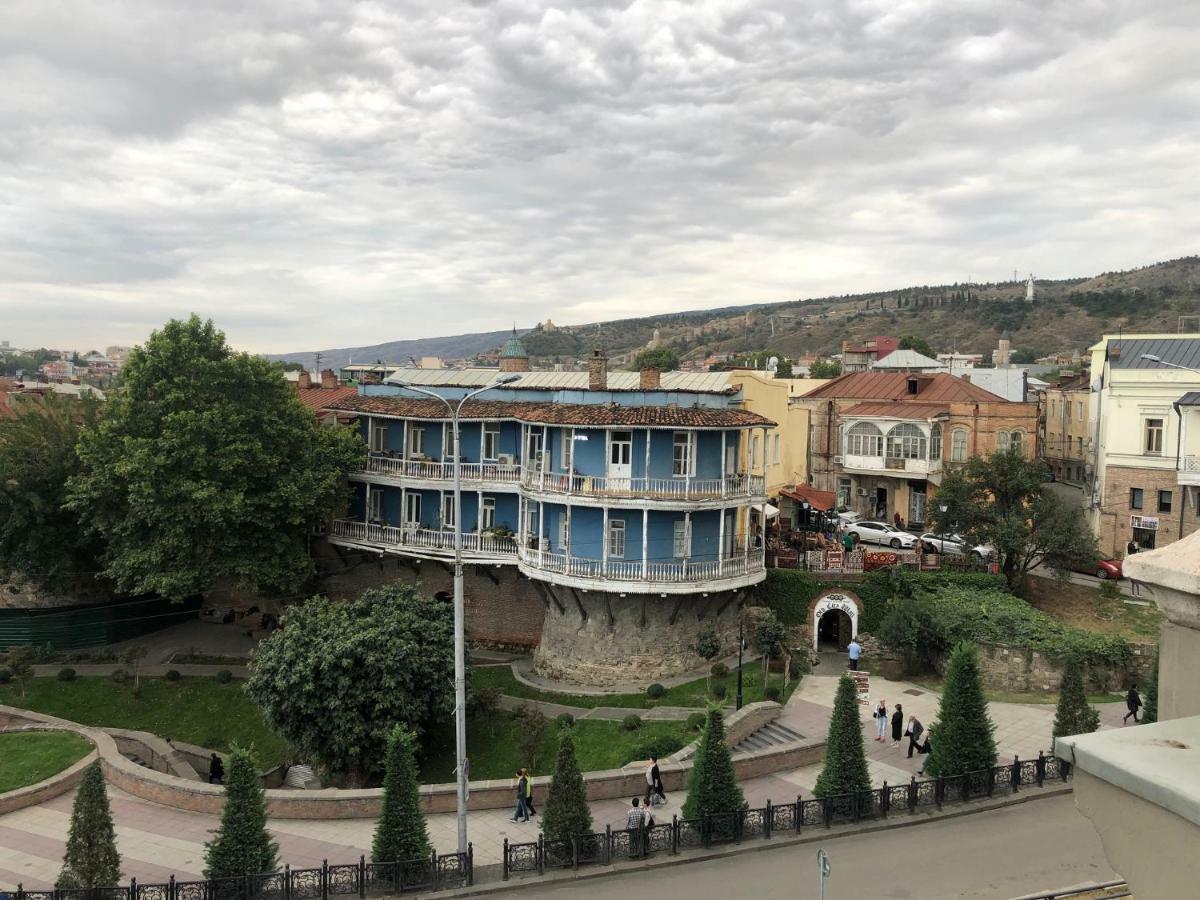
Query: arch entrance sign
834	601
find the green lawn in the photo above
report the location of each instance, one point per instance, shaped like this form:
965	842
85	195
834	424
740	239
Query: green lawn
495	752
693	694
28	757
194	710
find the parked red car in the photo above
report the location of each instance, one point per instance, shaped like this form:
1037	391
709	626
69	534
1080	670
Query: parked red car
1101	568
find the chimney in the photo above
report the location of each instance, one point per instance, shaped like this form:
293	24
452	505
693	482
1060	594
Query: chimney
305	380
651	378
598	371
328	380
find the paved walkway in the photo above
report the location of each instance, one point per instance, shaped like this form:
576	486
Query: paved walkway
156	840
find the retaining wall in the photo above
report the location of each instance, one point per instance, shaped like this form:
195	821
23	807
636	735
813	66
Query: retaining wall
49	788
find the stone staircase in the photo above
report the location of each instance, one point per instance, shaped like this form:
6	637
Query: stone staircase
772	734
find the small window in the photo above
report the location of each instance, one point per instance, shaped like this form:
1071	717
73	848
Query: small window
568	445
1067	409
616	538
412	514
1154	437
935	441
488	517
776	454
1016	439
378	436
1164	501
958	445
681	454
491	440
416	441
1002	441
1135	498
1079	410
682	539
564	533
864	439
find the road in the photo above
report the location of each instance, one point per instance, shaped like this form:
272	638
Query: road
1043	844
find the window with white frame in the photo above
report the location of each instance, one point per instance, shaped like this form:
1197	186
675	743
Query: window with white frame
958	445
754	458
567	446
682	455
564	532
416	440
1153	444
906	441
1002	441
775	455
412	512
448	511
935	441
379	432
682	539
864	439
375	507
491	440
616	538
488	516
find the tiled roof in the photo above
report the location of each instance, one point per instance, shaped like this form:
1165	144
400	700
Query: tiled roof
898	409
317	398
936	387
558	413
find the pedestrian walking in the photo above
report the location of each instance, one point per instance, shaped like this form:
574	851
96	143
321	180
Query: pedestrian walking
914	731
529	792
522	811
854	651
848	541
216	770
897	725
898	520
1133	701
655	794
881	720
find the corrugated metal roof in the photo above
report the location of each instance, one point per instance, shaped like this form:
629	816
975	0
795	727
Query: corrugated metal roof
907	359
898	409
1191	398
936	387
696	382
1181	351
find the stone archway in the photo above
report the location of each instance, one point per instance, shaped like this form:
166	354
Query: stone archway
839	603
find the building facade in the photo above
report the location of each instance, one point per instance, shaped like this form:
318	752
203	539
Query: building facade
781	456
1066	407
1144	424
882	440
622	500
860	357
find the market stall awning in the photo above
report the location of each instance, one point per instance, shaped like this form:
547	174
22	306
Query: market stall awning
822	501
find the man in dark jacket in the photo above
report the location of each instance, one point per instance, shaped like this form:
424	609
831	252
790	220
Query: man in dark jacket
914	731
216	770
897	725
1133	701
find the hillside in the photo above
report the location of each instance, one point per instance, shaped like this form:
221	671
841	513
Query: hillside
1067	315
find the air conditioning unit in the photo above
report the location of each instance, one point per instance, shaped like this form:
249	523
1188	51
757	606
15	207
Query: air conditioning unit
506	459
837	460
861	492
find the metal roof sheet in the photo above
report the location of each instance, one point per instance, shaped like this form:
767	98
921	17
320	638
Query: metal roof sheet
697	382
1191	398
937	387
1180	351
907	359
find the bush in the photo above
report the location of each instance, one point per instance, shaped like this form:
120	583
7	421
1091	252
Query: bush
120	676
567	812
655	691
772	692
172	675
631	722
484	701
564	720
659	747
845	767
708	644
66	674
719	691
224	676
720	670
695	721
5	675
713	787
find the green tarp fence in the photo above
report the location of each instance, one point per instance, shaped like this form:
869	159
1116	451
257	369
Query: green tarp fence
74	627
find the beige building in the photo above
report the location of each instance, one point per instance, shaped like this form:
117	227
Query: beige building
782	455
1064	448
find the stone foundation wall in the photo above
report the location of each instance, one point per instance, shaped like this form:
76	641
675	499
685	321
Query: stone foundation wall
1004	668
603	638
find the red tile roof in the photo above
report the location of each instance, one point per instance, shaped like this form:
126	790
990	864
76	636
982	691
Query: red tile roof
820	500
558	413
897	409
317	398
937	387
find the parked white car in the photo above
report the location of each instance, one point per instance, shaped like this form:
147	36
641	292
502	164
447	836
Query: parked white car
956	545
882	533
848	517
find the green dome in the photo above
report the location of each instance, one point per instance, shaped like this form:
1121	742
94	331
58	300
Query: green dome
513	348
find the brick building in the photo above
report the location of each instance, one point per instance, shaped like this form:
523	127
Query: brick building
1066	406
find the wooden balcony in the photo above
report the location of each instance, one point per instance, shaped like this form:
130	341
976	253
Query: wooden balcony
429	542
730	487
736	569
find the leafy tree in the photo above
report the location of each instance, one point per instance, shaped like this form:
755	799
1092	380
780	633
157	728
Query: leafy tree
241	845
822	368
207	467
1002	501
400	833
38	537
342	674
918	344
913	627
708	647
1023	357
1150	708
783	369
769	636
1074	715
531	733
91	859
20	664
665	359
845	768
962	738
567	813
713	786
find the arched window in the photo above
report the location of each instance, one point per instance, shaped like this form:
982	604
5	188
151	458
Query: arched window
906	441
958	445
1015	441
1002	441
935	441
864	439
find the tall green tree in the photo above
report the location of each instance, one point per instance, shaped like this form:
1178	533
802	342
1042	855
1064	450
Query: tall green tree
845	769
825	368
39	537
91	859
665	359
241	845
784	368
713	786
917	344
962	739
1150	708
343	674
400	833
1074	714
1002	501
207	467
567	813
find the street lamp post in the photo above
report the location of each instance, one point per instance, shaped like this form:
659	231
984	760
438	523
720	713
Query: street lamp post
460	627
741	644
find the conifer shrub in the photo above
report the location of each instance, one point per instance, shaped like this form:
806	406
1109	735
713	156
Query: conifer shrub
655	691
962	739
845	768
631	722
713	787
567	813
1074	715
400	833
91	859
241	844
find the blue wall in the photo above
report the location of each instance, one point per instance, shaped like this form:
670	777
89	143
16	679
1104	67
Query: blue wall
589	454
708	453
706	534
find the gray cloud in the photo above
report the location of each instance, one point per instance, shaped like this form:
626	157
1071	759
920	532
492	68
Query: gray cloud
323	172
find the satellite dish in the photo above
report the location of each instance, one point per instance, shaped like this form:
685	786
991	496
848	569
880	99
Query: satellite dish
773	363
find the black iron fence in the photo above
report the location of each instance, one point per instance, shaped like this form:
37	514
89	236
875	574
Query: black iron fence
361	879
612	845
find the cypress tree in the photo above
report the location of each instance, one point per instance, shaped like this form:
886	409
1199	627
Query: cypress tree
845	768
962	738
1150	709
241	845
400	833
713	787
567	812
91	859
1074	715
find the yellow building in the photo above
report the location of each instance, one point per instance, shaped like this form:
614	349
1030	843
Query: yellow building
1067	406
783	460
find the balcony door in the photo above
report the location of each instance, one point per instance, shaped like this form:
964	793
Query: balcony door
534	449
412	509
620	458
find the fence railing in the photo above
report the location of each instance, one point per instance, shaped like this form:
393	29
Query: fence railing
680	488
434	470
415	538
858	561
361	879
681	571
612	845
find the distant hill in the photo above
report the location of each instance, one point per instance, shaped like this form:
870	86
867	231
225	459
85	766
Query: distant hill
1066	315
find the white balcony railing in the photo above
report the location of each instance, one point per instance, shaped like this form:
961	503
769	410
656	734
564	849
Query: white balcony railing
682	571
917	466
410	537
1190	464
433	470
731	486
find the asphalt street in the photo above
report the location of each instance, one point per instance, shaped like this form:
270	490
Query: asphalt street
997	855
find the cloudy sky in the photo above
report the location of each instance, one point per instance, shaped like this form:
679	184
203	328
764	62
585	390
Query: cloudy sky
316	173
